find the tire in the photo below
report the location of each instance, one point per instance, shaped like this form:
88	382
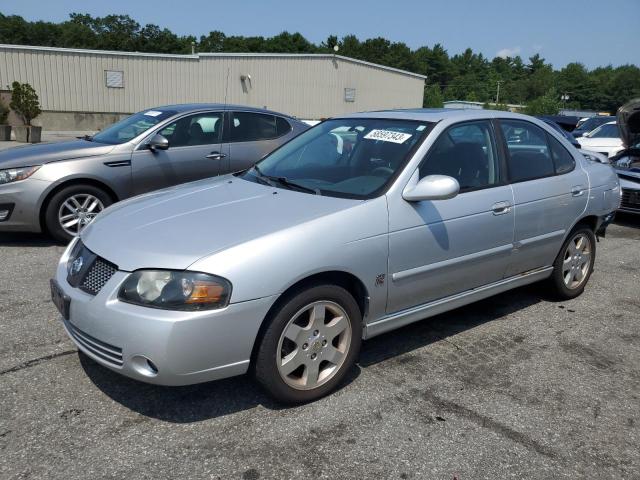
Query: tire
574	264
328	346
72	197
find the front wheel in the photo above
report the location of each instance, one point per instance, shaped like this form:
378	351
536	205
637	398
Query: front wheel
574	264
311	342
73	208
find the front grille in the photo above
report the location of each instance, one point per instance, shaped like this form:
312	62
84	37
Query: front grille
630	200
109	353
99	273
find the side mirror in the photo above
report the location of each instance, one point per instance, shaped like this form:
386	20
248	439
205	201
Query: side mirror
158	142
432	187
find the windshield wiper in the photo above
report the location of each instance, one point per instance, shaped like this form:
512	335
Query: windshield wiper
272	180
88	138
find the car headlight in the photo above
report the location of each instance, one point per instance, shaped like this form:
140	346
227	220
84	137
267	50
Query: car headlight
14	174
174	290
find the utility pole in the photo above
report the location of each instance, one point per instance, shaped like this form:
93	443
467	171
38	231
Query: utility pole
498	92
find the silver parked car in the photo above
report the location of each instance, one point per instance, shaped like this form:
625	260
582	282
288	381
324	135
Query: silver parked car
358	226
61	187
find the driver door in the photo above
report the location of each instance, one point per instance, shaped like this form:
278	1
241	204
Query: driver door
439	248
195	151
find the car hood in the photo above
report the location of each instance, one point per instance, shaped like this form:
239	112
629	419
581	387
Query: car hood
41	153
629	122
632	173
175	227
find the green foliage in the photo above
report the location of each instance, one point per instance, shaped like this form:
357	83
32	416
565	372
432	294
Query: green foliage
463	76
4	113
433	97
496	106
24	101
547	104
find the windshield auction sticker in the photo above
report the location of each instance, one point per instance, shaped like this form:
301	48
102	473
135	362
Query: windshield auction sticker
153	113
387	136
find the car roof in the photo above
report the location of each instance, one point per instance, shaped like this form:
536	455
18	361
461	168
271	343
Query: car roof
188	107
437	114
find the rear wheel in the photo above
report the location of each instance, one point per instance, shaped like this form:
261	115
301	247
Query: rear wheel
311	342
71	209
574	264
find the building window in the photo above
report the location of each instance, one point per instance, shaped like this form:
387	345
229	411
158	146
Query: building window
349	94
114	78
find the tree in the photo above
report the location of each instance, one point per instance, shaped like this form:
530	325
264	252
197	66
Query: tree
4	113
25	102
547	104
465	75
433	97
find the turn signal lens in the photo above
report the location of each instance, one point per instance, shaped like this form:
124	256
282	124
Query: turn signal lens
205	292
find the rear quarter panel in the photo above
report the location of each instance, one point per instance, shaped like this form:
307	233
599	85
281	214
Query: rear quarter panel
604	188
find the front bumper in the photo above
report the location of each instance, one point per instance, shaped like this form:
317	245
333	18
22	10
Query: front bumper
184	347
25	197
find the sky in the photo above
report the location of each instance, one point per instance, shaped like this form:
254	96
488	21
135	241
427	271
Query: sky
593	32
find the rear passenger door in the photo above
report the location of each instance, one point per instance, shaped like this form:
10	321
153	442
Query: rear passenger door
195	151
550	192
251	136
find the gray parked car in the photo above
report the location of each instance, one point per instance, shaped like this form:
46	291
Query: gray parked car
61	187
287	266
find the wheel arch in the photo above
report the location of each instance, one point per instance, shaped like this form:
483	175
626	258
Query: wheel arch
68	183
346	280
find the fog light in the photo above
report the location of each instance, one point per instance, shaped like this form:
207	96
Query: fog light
144	366
5	211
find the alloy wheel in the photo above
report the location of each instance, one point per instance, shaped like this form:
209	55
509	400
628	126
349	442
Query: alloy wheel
77	211
577	261
314	345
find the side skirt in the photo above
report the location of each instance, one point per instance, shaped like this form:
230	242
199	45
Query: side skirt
420	312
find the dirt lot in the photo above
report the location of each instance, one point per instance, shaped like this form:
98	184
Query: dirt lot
516	386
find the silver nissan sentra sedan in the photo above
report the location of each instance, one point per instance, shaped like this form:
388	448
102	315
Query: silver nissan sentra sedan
60	187
358	226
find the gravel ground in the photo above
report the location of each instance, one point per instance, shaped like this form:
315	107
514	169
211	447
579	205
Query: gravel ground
517	386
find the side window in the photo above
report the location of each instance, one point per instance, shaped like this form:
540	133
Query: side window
466	152
198	129
529	156
251	127
282	126
562	159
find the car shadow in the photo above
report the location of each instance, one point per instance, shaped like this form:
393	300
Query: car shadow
627	220
19	239
195	403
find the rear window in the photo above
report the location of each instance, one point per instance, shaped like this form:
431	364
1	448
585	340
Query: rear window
529	156
562	159
282	126
253	127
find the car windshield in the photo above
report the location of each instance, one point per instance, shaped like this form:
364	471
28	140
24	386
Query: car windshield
592	123
350	158
131	127
608	130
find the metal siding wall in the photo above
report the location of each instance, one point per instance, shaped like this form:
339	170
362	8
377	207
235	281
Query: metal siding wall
307	87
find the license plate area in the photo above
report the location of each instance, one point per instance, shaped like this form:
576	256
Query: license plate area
59	299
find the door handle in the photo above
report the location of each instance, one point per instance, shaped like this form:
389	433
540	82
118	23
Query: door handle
215	156
500	208
577	190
